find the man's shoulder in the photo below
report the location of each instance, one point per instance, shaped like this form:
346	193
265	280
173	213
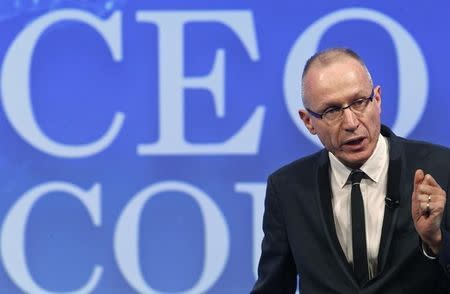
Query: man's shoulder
417	148
302	167
413	148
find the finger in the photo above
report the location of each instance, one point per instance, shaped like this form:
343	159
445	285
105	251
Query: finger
428	179
425	197
429	207
425	208
427	189
418	178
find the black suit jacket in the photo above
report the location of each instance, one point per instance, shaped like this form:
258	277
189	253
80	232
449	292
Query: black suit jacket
300	236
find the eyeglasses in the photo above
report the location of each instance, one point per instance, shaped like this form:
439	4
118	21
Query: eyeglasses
334	113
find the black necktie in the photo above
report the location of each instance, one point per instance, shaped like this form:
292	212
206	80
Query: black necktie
360	266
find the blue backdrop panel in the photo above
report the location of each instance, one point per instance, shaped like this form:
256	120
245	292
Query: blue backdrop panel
137	135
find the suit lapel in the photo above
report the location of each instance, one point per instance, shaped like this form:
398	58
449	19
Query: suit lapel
324	191
395	189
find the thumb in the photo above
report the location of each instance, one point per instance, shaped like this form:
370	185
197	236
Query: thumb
415	205
418	178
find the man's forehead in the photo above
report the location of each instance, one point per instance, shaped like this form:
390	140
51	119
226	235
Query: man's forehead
340	73
335	83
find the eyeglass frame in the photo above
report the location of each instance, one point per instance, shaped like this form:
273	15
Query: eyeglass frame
341	109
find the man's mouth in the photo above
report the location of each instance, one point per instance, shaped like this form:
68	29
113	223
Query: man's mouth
354	143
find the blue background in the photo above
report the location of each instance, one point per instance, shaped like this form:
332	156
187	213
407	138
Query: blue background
76	87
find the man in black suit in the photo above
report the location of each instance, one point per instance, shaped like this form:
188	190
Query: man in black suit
367	214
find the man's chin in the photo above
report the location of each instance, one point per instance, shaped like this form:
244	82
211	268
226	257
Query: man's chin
354	162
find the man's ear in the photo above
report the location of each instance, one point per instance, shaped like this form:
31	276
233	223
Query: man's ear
377	97
306	118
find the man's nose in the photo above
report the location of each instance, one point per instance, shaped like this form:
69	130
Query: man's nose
350	120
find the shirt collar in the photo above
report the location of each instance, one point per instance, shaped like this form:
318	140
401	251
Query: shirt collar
372	167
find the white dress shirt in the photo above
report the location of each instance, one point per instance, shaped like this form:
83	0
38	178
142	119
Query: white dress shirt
373	190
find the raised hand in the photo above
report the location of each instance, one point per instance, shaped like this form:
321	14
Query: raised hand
428	202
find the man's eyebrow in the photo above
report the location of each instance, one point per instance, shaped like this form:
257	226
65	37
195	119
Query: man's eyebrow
328	105
332	104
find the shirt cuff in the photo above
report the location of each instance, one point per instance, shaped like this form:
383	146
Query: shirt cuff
428	252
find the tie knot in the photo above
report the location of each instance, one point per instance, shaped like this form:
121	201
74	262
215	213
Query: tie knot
356	176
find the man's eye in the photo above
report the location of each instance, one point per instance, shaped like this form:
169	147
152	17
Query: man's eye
359	102
332	110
